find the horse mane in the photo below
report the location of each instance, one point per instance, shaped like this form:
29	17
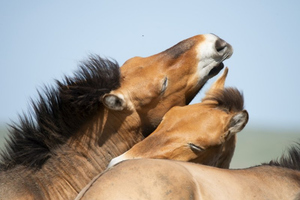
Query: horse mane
289	160
228	99
59	113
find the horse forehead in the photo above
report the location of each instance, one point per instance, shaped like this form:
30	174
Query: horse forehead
141	70
210	124
200	116
199	112
202	124
213	118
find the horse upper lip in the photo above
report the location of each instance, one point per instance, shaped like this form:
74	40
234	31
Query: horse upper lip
226	56
228	51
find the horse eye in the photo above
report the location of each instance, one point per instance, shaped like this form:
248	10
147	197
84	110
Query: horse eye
164	85
195	148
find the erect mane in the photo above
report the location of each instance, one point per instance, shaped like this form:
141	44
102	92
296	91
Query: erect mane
290	160
59	113
230	99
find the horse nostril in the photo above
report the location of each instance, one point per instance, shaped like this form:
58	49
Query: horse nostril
220	45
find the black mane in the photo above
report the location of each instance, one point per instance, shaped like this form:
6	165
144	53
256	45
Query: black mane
290	160
59	112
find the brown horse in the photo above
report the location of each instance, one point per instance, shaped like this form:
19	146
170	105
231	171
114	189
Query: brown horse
78	127
203	132
160	179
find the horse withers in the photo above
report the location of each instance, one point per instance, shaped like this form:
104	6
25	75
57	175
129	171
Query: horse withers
203	133
76	128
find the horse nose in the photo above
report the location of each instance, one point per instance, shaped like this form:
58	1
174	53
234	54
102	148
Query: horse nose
220	45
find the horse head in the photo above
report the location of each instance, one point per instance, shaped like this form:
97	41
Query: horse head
152	85
203	132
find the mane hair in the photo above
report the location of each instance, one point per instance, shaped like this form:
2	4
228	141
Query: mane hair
289	160
59	112
229	99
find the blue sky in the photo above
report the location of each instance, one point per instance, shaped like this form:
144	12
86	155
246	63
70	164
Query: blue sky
42	41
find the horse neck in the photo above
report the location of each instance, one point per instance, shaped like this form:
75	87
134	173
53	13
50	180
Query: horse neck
284	181
61	177
227	153
74	164
115	133
275	172
261	182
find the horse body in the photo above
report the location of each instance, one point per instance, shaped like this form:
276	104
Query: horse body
160	179
99	114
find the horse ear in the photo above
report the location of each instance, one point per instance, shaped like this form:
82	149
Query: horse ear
114	101
220	82
238	122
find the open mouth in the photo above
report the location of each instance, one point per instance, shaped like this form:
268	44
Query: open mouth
216	69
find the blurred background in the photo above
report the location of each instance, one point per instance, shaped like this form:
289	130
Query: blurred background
43	41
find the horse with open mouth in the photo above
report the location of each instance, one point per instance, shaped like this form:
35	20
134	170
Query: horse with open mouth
76	128
203	133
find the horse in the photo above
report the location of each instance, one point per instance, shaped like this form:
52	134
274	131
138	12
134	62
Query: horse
77	126
168	179
203	133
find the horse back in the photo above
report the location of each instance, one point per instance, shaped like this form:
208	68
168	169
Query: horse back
142	179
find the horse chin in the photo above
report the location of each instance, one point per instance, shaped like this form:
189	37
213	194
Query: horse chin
216	70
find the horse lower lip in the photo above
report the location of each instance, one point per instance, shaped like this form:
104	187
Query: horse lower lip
216	69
